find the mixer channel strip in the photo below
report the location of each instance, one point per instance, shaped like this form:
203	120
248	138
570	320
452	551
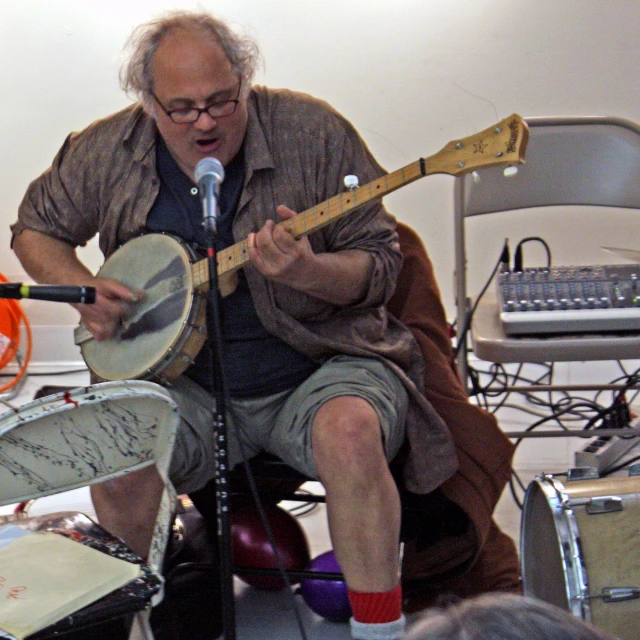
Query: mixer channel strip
570	299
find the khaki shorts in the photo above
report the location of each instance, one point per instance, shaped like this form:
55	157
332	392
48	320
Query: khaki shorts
281	423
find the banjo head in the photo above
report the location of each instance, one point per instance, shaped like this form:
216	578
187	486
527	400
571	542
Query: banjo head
155	330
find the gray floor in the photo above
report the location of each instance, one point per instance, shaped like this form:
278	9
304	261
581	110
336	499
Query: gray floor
263	614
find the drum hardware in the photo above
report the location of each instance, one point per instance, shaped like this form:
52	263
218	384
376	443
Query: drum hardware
185	358
571	560
610	504
583	473
616	594
594	506
634	469
197	327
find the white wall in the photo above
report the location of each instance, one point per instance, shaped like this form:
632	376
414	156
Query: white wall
410	74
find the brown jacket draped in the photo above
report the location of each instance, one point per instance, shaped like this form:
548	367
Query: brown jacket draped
484	452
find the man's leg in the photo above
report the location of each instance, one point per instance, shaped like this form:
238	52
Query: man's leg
363	508
127	507
362	499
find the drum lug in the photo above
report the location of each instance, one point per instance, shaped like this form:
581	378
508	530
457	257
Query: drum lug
158	378
583	473
617	594
164	381
604	504
197	327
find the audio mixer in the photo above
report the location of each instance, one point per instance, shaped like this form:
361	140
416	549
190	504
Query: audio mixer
570	299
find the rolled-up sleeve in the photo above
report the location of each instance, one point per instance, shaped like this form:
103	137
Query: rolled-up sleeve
370	228
61	203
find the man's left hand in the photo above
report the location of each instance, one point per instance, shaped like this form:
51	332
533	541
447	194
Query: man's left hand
278	255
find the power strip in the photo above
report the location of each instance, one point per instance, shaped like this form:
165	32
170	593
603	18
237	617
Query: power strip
603	452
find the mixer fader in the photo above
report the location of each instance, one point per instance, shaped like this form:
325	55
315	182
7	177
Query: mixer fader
570	299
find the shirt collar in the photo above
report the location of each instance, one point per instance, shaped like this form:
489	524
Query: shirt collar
140	132
257	153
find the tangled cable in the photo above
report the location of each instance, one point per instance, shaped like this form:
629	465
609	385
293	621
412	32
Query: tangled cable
11	317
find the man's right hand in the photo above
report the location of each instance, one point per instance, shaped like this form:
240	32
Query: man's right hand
113	301
49	260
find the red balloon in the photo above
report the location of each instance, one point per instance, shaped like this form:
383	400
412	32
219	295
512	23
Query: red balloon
251	546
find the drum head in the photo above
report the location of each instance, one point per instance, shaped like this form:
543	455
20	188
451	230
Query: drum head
543	571
72	439
159	266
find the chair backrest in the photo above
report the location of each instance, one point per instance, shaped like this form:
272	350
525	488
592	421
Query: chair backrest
86	436
569	161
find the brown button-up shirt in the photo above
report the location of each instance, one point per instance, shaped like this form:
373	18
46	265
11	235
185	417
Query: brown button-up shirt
297	152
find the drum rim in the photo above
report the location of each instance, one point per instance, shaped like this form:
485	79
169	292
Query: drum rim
568	537
184	327
86	396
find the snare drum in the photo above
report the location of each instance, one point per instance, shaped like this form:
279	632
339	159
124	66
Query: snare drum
72	439
580	549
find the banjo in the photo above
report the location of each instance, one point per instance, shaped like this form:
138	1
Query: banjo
163	333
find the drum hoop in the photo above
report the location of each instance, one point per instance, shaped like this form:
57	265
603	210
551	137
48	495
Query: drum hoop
183	334
86	396
57	406
568	532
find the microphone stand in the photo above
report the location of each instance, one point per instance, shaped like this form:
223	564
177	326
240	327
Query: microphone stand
214	332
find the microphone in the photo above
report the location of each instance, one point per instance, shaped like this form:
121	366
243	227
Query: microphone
209	174
53	293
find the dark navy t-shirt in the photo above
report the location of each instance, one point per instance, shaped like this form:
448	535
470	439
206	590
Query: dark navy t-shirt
255	362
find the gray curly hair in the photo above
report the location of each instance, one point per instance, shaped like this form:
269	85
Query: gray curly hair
504	616
137	71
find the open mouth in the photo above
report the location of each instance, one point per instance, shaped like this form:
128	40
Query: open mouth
207	144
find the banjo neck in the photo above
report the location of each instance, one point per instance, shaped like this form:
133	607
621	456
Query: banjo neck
236	256
502	144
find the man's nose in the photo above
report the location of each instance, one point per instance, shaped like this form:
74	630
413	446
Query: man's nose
205	121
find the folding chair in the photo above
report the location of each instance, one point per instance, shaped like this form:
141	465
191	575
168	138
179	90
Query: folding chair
82	437
583	161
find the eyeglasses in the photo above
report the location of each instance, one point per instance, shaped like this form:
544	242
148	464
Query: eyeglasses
189	115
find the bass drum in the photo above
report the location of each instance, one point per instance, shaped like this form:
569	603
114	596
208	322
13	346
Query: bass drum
580	549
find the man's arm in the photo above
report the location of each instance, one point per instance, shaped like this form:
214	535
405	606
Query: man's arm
52	261
339	278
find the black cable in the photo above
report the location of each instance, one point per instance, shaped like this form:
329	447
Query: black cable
235	425
621	466
517	254
462	336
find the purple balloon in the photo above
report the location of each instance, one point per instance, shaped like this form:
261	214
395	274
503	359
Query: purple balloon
327	598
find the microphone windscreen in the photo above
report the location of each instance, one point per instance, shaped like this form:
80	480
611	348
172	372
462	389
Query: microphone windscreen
209	167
